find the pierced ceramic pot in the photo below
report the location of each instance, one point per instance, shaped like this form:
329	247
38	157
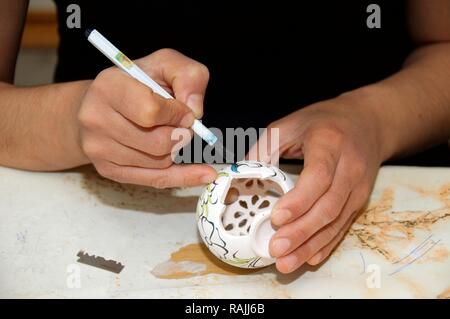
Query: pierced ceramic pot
233	213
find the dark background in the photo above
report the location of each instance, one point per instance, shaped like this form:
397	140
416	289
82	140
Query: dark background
266	59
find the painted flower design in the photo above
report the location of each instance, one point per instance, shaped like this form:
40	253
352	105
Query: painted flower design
212	211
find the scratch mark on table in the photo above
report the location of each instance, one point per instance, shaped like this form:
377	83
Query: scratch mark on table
417	253
22	237
418	247
363	263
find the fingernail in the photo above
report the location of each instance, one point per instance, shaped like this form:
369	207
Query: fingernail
206	179
290	261
280	246
187	120
281	216
315	259
195	102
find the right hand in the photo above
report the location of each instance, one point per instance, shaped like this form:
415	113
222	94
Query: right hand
126	129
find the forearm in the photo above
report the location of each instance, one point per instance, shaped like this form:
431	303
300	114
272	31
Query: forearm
412	107
38	127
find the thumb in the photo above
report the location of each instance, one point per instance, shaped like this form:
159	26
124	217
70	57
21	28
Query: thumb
266	149
274	142
189	87
186	77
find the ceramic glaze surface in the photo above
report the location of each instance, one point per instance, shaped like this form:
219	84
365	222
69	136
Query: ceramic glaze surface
233	213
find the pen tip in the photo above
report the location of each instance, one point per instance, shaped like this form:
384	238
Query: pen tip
87	32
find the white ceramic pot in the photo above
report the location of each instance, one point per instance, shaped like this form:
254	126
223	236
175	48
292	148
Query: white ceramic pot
233	213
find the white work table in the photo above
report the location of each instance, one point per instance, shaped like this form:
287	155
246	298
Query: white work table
47	218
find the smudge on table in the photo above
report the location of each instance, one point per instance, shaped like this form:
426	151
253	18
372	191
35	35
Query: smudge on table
195	260
135	197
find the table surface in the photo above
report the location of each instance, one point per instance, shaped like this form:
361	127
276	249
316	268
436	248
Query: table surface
399	246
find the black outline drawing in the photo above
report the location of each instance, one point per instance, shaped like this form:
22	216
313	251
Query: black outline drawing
209	240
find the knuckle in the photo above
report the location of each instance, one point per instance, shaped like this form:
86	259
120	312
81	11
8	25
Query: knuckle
304	252
275	124
166	52
102	82
275	129
323	172
332	211
196	70
102	76
188	180
175	111
359	169
92	149
298	233
328	215
333	230
163	163
88	119
333	134
150	113
160	181
106	170
116	174
359	166
174	108
200	70
341	232
161	146
337	232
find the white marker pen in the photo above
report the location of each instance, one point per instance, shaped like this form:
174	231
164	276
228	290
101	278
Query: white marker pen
120	59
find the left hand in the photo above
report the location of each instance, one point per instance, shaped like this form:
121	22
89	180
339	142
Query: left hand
341	145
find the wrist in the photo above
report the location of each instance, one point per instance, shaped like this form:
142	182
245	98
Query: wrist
370	102
76	156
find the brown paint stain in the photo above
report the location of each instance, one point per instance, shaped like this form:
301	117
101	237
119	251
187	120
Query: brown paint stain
445	294
378	226
439	254
196	260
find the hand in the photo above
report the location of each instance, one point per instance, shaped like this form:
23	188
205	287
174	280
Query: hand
126	129
341	147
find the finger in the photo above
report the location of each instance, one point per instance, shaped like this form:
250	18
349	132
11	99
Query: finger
266	149
327	249
320	163
138	103
339	227
290	236
174	176
187	77
158	140
122	155
283	137
318	241
319	246
311	252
